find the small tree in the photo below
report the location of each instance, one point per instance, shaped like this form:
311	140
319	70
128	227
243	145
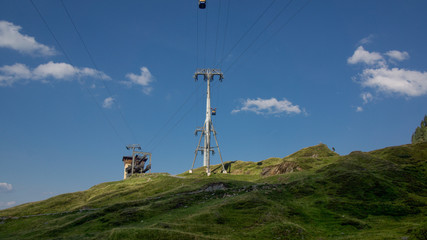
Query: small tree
420	134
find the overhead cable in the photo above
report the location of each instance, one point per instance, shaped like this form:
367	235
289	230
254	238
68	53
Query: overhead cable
247	31
286	23
217	30
174	126
225	32
171	117
197	38
96	68
69	60
206	37
260	34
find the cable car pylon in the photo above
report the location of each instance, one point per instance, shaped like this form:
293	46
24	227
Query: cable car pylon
208	128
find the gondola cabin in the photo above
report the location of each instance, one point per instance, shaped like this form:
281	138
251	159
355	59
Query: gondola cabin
213	111
202	4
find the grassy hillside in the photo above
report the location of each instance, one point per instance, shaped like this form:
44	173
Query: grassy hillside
304	159
311	194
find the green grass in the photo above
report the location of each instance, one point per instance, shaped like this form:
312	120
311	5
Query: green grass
377	195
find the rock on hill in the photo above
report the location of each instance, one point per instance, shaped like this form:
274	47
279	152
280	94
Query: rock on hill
311	194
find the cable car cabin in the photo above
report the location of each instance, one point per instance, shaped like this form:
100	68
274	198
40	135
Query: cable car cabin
214	111
202	4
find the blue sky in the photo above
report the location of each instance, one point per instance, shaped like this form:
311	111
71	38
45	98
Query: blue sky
350	74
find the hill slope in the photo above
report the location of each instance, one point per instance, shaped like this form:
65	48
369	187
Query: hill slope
311	194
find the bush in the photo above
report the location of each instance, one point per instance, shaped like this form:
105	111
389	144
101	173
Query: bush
420	233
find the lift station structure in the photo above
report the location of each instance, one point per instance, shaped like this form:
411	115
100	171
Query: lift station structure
208	128
135	163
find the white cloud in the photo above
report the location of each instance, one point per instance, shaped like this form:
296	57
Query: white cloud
6	187
397	55
66	71
367	97
147	90
17	70
108	102
144	80
366	40
10	37
90	72
7	204
379	76
54	70
10	74
268	106
400	81
359	109
363	56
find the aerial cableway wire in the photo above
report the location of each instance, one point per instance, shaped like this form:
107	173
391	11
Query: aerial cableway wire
197	38
273	35
153	143
284	25
152	140
175	125
225	31
96	68
223	57
206	37
50	31
246	33
260	34
217	30
71	62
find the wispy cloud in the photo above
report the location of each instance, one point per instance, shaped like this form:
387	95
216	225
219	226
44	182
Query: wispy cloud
393	81
9	74
366	40
108	102
7	204
268	106
144	79
10	37
359	109
367	97
6	187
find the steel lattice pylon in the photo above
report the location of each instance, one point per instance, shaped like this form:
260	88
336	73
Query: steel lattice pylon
208	128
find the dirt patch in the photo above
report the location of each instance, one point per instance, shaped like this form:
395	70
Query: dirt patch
285	167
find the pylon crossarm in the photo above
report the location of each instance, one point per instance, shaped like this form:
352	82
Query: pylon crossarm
208	74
